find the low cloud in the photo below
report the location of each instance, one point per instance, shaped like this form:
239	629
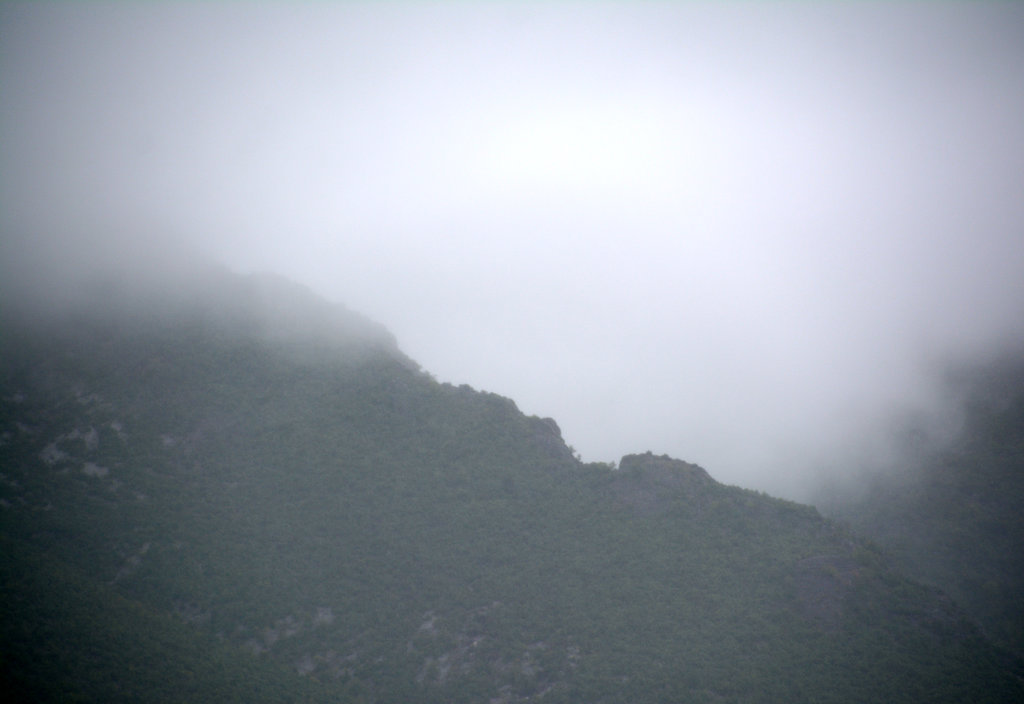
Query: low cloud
750	237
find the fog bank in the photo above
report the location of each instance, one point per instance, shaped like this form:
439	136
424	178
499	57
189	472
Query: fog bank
749	236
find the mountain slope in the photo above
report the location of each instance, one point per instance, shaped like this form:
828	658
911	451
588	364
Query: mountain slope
315	501
953	516
68	637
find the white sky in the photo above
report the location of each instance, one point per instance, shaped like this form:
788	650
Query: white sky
741	234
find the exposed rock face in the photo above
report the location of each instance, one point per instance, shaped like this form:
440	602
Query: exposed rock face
666	471
646	483
549	437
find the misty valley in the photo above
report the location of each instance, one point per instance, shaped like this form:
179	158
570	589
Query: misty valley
232	490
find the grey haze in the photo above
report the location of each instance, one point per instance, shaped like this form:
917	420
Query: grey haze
749	235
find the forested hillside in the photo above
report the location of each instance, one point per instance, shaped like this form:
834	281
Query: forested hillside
246	494
953	515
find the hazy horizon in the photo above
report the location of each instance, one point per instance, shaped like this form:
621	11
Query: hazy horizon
749	236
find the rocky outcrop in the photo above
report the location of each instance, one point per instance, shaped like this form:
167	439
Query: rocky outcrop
648	483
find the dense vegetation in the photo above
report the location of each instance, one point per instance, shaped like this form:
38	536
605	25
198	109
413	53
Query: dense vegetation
951	515
207	502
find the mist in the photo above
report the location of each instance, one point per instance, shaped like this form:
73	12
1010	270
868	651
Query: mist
751	236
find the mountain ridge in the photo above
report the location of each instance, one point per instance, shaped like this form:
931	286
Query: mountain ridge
322	504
